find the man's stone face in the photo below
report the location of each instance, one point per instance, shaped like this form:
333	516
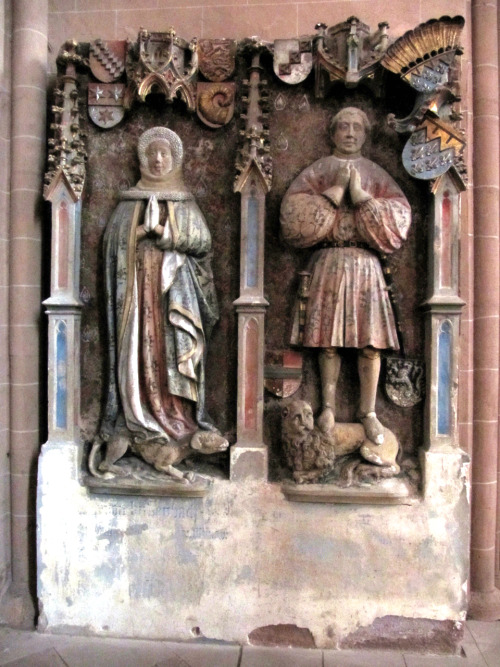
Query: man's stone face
159	158
349	135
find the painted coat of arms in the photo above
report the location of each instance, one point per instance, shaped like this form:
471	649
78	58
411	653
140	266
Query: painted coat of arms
106	103
283	372
432	149
107	59
217	58
293	59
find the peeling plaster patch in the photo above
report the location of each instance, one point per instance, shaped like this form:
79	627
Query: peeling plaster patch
282	635
246	574
105	573
184	554
113	535
136	529
116	535
403	634
325	549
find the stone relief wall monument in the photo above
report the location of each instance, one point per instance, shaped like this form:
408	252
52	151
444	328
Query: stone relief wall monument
253	340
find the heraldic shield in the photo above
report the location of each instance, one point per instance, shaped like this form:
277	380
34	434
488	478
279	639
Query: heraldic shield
293	59
432	149
107	59
404	381
106	104
282	372
217	58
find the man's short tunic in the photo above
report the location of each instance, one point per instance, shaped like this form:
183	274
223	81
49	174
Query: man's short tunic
348	304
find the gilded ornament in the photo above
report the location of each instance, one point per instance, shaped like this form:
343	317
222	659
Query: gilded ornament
215	103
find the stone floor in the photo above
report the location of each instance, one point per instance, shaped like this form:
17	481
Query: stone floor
481	646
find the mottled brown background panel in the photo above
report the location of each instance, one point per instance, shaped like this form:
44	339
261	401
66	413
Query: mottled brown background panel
299	136
302	126
208	169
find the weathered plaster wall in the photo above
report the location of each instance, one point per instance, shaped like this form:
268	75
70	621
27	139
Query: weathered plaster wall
244	558
5	100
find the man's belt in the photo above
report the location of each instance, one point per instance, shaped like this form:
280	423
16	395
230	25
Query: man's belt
346	244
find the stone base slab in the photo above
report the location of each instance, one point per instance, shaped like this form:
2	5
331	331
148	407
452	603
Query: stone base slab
386	492
243	558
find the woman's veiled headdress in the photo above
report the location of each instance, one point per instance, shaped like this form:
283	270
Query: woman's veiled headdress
160	134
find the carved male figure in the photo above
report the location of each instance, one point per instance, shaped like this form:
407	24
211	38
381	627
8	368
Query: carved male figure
349	209
160	309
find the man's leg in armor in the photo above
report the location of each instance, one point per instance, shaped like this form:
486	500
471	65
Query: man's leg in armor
369	371
329	368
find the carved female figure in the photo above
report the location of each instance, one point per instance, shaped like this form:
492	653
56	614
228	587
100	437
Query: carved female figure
160	305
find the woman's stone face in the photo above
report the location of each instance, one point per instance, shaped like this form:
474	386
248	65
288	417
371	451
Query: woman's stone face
159	157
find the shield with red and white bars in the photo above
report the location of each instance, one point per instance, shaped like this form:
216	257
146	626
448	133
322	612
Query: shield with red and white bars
282	372
107	59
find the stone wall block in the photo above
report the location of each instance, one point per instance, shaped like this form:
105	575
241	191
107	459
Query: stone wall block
4	263
4	339
486	198
4	214
25	306
484	530
23	443
466	344
4	370
22	497
485	472
4	398
486	169
187	22
4	170
26	211
27	370
27	252
60	6
486	285
482	565
125	5
22	535
402	15
28	173
488	473
82	27
269	23
483	91
465	431
5	98
29	71
485	50
32	15
24	399
485	355
26	122
24	341
433	9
